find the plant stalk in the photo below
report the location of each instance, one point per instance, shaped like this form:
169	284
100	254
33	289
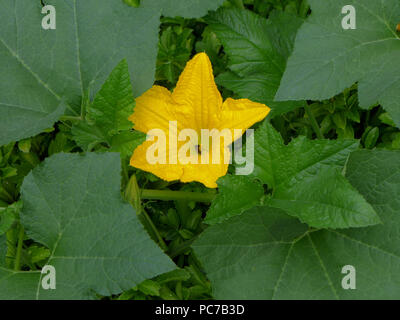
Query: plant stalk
17	264
70	118
132	194
168	195
314	122
161	241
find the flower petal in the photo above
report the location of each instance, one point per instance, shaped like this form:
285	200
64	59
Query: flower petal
197	95
207	174
153	110
168	172
241	114
195	104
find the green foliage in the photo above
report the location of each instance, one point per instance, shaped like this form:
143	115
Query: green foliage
264	254
306	180
107	259
257	50
81	57
264	7
325	188
228	203
106	120
211	45
242	255
8	216
133	3
327	59
15	165
114	102
175	48
179	284
3	250
182	8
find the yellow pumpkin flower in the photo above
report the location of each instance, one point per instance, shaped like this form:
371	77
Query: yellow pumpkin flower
194	104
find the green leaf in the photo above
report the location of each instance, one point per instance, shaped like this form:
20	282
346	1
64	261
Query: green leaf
306	181
386	119
53	70
182	8
38	254
257	49
244	262
73	206
276	163
150	288
324	199
228	204
8	216
174	275
126	142
174	50
327	59
25	145
107	117
371	138
243	255
8	172
114	102
339	118
3	250
211	45
133	3
62	143
87	136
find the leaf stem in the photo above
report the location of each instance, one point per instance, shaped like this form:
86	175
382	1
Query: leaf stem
17	264
161	241
168	195
132	194
314	122
70	118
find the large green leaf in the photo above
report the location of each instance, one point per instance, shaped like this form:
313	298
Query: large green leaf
45	72
257	49
306	180
254	256
182	8
107	116
73	205
236	195
328	59
243	255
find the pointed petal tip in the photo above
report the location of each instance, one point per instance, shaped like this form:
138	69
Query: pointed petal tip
201	57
